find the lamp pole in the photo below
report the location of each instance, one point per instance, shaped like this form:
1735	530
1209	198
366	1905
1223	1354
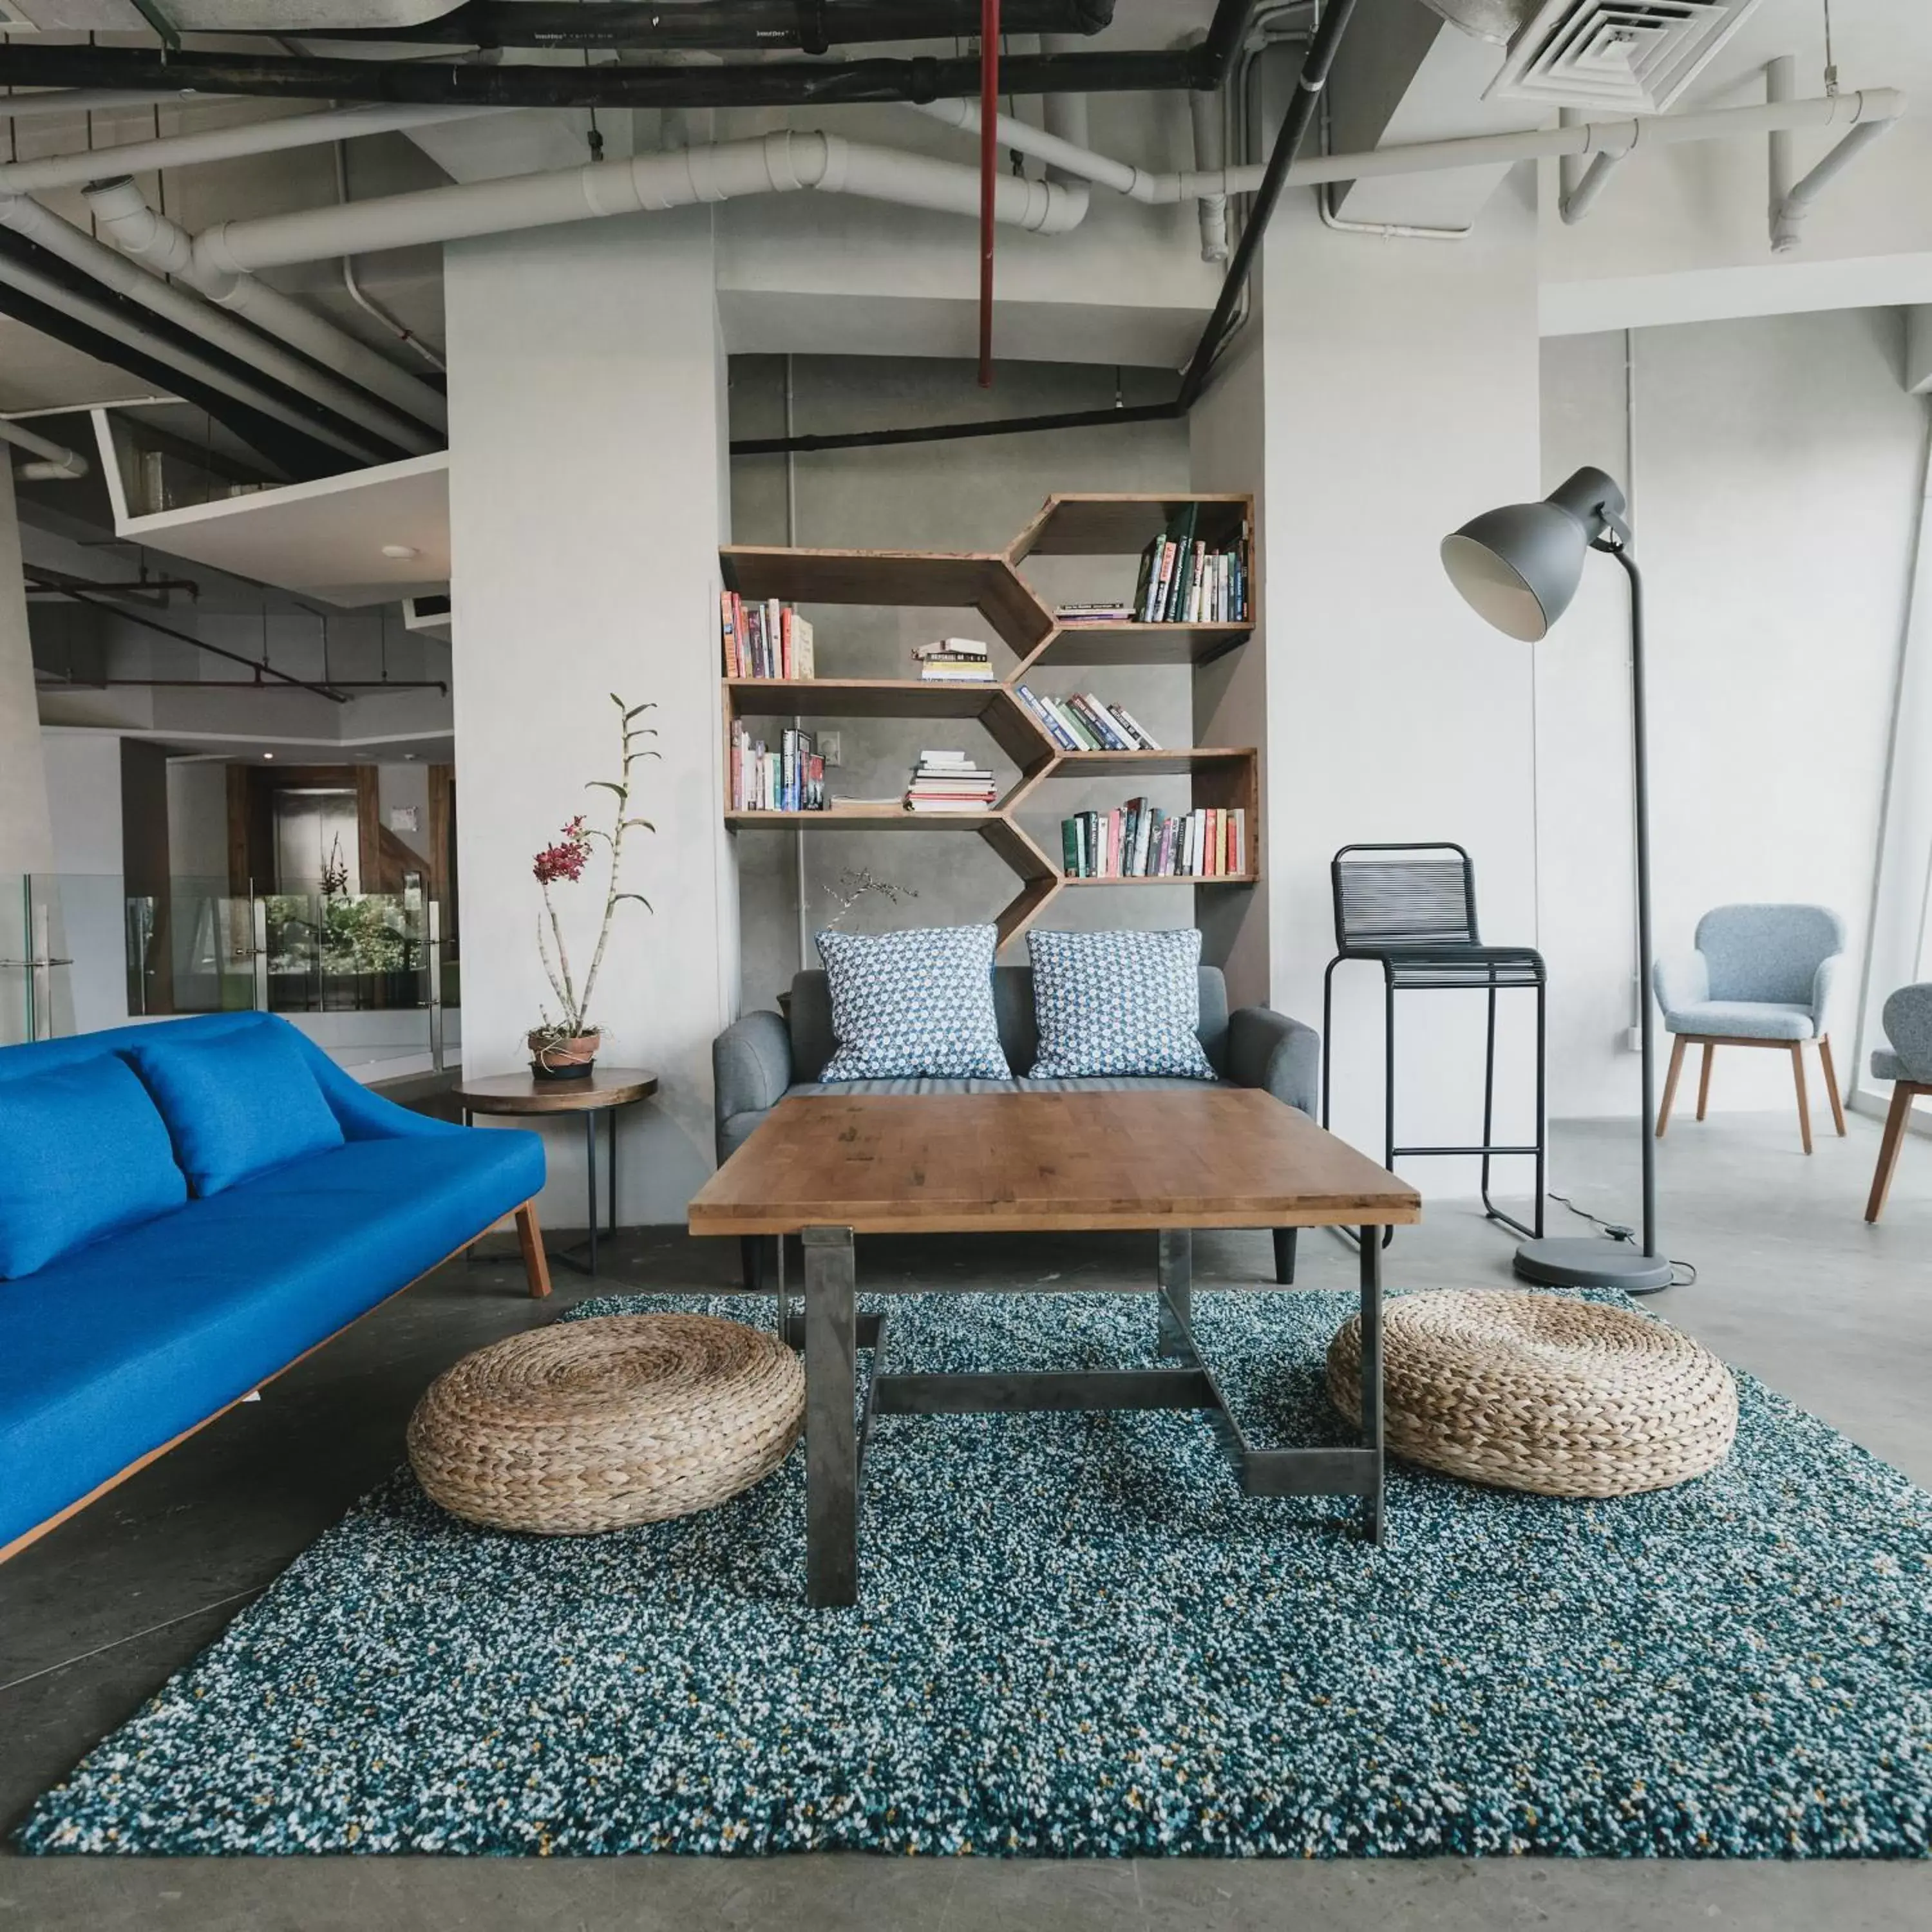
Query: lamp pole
1619	547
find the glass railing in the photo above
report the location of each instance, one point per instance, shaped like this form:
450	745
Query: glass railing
368	977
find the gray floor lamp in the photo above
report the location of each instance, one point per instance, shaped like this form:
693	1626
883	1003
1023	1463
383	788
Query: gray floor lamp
1518	568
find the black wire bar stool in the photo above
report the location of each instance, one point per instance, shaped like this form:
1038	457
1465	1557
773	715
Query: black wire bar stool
1412	909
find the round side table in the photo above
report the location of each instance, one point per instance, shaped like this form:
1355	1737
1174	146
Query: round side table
606	1090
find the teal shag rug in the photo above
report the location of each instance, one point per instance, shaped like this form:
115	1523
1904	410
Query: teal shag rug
1078	1638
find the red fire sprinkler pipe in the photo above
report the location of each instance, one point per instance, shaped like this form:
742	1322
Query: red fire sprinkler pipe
989	157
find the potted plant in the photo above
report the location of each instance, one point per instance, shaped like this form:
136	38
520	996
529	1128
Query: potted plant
565	1048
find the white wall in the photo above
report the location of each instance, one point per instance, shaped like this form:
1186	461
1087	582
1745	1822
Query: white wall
586	506
1773	490
1400	399
198	820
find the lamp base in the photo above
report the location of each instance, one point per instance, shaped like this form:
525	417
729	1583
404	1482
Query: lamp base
1590	1261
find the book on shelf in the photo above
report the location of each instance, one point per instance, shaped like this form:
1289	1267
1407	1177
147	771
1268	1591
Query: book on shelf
1184	580
1103	613
949	781
1084	722
788	776
954	661
1140	841
764	638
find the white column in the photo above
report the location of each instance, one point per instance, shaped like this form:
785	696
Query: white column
1400	395
587	502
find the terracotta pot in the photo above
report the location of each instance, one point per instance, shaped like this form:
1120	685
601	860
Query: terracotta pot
554	1059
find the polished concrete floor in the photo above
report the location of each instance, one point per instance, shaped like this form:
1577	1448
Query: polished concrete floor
1791	1286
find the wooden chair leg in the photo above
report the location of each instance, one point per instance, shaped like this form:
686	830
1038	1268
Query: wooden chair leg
1896	1122
1831	1082
536	1263
1804	1103
1704	1078
1677	1046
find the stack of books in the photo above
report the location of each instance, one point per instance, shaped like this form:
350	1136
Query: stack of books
788	777
950	781
1182	581
954	661
763	639
1102	613
1139	841
1082	723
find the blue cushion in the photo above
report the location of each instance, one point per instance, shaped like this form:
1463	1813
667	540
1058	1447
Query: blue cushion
117	1349
907	1003
82	1152
1117	1003
237	1105
1742	1019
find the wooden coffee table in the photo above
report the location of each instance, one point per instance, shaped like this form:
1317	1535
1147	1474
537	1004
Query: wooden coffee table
829	1167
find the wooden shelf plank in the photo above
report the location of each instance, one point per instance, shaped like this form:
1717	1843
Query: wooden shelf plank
1166	764
1106	525
1136	643
858	697
864	818
1164	879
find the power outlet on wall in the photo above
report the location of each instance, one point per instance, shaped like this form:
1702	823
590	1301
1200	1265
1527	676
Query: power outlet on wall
1633	1040
831	748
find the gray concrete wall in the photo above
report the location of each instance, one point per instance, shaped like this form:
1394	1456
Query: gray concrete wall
970	495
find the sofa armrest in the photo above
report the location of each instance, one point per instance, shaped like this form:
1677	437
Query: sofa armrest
750	1064
1267	1049
367	1116
1682	982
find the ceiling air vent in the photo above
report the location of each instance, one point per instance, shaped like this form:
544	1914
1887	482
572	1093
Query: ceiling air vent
1638	55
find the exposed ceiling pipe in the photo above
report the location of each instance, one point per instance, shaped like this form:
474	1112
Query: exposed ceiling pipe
989	176
783	83
1791	201
778	164
55	463
216	144
94	100
68	586
765	26
360	296
156	348
168	249
1588	138
190	313
1204	111
1065	114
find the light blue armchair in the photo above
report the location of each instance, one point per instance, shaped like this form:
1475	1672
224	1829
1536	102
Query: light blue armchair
1907	1063
1761	976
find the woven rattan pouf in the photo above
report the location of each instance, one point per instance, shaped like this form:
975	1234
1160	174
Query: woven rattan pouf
1540	1392
596	1425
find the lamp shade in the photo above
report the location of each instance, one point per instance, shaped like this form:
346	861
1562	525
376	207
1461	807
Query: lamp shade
1517	568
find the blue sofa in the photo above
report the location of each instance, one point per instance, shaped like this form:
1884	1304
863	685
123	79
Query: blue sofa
218	1276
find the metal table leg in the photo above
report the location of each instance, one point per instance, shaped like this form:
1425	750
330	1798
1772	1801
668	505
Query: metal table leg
1175	1301
831	1430
1371	1250
590	1178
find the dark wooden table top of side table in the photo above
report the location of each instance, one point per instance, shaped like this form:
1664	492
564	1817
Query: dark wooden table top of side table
829	1166
602	1090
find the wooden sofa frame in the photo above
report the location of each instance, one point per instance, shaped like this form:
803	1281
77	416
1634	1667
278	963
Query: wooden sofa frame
536	1272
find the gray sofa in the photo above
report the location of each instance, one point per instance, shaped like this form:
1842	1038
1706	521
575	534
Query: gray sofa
759	1059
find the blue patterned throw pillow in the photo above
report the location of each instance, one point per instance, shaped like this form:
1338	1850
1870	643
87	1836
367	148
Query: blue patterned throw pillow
1117	1003
908	1003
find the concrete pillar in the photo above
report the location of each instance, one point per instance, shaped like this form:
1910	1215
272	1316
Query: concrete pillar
1399	388
587	501
26	832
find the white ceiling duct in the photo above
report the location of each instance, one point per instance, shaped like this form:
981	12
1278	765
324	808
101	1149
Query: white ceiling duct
1498	20
1638	55
214	16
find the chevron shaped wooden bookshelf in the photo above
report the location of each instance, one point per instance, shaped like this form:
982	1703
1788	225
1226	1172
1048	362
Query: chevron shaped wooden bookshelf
990	583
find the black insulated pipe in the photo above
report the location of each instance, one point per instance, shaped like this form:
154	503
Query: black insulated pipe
796	83
1315	67
800	26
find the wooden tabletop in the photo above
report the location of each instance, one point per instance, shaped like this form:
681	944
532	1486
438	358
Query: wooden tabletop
525	1093
1216	1157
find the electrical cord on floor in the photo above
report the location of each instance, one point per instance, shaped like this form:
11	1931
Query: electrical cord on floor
1616	1230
